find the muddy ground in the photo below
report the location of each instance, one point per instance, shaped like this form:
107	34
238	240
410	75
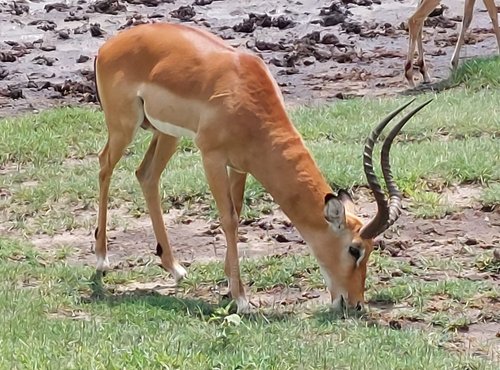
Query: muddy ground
317	50
317	53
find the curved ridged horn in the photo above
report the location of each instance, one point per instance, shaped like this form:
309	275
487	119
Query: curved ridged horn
394	193
386	214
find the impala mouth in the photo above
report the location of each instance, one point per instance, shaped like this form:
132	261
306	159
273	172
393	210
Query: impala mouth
341	304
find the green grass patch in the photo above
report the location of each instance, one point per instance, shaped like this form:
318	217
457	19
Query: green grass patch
426	204
52	167
50	320
491	195
479	73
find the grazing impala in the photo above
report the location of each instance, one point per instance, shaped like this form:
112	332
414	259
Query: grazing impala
180	81
416	22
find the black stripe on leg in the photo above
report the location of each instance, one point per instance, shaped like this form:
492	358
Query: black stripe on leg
96	232
159	250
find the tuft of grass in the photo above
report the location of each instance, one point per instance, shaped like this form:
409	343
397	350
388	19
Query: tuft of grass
425	204
491	195
488	263
479	73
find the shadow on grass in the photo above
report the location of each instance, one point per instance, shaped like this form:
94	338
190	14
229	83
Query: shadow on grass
100	294
437	87
203	310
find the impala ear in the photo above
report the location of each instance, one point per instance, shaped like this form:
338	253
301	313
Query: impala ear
335	212
345	198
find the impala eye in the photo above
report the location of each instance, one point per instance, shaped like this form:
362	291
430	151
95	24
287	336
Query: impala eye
355	252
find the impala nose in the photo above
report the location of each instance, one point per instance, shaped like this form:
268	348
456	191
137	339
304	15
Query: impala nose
359	306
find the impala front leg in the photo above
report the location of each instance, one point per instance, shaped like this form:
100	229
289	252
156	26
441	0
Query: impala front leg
415	25
214	164
414	29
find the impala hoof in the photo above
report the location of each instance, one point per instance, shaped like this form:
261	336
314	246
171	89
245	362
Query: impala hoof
178	272
243	306
102	264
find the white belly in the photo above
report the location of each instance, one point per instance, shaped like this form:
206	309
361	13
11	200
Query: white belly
169	128
171	114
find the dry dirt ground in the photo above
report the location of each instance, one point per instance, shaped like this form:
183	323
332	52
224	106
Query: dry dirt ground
47	53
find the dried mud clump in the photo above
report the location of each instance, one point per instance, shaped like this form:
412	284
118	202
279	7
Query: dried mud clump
150	3
112	7
263	20
184	13
136	20
335	14
59	7
18	9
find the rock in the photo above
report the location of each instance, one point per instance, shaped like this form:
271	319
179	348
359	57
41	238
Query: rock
332	20
330	38
82	59
471	241
47	47
96	30
309	61
60	7
203	2
184	13
7	57
107	7
280	238
63	34
43	60
80	30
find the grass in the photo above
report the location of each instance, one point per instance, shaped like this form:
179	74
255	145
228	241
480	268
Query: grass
52	165
51	320
427	204
491	195
479	73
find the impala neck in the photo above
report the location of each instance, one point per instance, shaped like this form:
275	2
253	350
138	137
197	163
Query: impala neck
289	173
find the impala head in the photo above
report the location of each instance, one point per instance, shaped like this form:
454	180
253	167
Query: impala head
344	268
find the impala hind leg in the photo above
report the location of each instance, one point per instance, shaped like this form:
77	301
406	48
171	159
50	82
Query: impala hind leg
160	150
108	158
220	186
415	25
493	13
468	12
422	66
